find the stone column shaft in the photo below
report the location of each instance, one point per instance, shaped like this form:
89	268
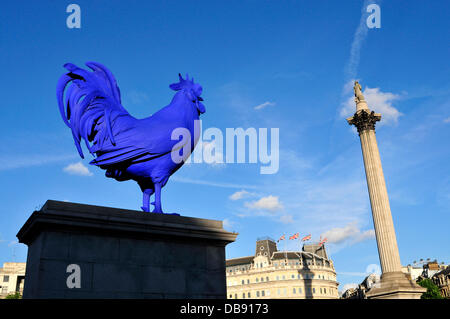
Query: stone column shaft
381	211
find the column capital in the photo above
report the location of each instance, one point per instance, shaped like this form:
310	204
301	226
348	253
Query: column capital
364	120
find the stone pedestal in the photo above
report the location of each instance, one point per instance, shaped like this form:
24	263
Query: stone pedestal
395	285
122	254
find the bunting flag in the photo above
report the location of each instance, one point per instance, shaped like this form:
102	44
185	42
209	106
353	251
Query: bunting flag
295	236
306	238
281	238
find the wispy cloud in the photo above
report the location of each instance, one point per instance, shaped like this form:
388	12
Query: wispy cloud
239	195
77	169
264	105
8	162
447	120
358	39
210	183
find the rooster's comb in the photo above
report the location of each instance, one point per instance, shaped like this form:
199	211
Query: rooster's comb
183	83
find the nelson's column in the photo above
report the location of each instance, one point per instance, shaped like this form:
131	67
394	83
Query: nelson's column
394	283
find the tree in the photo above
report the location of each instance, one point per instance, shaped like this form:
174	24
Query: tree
15	295
432	290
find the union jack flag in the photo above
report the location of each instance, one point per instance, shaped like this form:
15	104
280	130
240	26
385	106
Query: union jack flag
295	236
306	238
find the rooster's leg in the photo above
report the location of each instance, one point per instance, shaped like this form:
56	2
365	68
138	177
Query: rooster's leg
157	203
146	193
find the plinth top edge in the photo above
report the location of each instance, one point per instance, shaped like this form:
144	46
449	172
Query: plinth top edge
63	206
100	217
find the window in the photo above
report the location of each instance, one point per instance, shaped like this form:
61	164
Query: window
325	290
298	276
278	278
243	295
235	296
299	290
284	277
262	279
263	293
293	291
243	282
249	295
267	278
257	294
4	290
248	281
314	290
320	290
292	276
231	296
278	291
257	279
5	278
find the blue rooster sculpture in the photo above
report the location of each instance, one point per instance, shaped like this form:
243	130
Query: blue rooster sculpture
126	147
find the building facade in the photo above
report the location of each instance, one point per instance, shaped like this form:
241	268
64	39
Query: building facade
273	274
12	277
360	292
442	280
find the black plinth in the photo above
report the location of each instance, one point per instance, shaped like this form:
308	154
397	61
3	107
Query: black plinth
122	254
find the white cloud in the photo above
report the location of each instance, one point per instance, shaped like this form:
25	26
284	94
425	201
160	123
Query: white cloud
269	203
264	105
239	195
378	101
77	169
350	233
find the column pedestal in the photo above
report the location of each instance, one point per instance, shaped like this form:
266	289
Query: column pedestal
395	285
122	254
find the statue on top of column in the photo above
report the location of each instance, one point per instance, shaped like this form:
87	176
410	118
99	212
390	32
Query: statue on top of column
358	94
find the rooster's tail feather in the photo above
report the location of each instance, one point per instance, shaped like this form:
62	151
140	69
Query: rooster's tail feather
91	104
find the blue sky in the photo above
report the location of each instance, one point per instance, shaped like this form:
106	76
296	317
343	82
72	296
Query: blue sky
295	56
